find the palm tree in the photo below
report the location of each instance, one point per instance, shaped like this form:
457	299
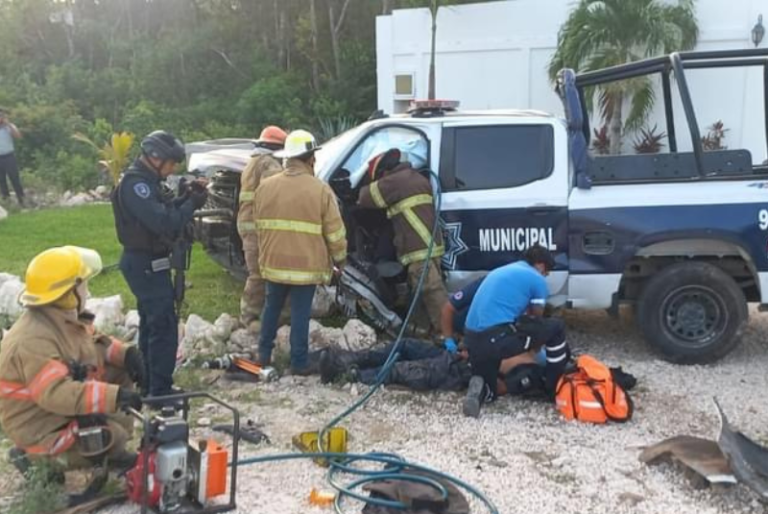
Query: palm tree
115	154
602	33
433	7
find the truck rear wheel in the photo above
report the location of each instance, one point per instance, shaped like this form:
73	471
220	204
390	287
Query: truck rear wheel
692	313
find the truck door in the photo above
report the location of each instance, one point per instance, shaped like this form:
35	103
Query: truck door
505	188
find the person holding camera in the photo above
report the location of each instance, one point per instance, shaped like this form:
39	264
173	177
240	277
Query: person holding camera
148	225
9	167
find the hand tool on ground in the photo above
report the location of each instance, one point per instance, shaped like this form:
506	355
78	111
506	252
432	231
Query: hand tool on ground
233	364
251	432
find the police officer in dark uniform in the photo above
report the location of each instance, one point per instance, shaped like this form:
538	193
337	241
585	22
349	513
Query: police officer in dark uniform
149	221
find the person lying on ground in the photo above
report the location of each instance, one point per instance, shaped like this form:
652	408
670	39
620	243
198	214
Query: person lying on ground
421	366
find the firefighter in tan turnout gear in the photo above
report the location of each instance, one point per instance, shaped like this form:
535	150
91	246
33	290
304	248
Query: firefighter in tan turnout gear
262	165
301	236
61	385
406	195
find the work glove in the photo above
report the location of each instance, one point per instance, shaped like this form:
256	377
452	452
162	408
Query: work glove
183	188
128	398
450	345
134	366
198	185
198	197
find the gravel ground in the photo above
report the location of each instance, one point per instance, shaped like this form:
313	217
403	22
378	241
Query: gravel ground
522	454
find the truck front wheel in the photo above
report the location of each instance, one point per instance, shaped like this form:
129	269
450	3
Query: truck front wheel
692	313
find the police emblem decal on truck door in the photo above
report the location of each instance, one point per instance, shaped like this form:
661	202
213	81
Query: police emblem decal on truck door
454	244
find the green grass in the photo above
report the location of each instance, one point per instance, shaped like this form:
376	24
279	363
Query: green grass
24	235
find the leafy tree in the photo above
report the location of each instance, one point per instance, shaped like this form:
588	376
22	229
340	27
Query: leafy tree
200	68
602	33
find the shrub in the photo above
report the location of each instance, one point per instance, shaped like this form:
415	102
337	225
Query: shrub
602	142
715	137
649	141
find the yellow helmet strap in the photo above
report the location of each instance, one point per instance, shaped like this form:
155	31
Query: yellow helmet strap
69	302
74	299
81	293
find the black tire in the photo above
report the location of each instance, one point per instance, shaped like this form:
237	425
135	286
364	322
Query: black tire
692	313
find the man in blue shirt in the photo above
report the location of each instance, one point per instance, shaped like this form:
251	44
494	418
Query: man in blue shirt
506	320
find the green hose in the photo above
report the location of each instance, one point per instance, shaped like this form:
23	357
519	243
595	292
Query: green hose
395	466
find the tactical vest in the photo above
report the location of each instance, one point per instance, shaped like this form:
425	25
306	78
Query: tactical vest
130	232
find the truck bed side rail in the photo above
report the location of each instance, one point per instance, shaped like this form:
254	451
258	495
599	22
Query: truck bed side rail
698	164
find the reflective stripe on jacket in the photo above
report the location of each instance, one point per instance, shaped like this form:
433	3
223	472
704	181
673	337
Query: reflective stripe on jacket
262	165
299	227
38	396
407	197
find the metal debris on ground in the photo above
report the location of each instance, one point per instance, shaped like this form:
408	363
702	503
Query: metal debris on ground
733	458
701	457
748	460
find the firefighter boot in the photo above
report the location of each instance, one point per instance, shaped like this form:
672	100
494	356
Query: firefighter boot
312	367
18	458
21	462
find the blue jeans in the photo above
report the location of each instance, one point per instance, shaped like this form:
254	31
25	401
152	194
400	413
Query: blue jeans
301	309
158	325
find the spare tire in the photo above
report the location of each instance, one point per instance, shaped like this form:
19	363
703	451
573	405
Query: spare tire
692	313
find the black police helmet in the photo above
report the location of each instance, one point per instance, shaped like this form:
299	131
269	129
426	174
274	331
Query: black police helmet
164	146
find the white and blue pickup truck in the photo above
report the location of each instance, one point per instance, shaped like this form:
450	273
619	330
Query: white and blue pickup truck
682	236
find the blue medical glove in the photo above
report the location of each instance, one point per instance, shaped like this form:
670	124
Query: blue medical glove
450	345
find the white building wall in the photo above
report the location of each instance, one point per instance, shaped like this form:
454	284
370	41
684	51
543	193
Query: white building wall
495	55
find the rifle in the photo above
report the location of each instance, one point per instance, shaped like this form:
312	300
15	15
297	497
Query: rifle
181	257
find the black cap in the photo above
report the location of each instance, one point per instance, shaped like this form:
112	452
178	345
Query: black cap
537	254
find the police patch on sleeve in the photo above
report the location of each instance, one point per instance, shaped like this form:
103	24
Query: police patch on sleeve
142	190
